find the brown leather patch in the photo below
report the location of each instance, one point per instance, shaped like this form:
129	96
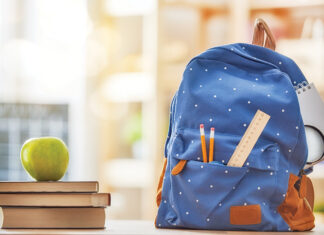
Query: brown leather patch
179	167
245	215
296	209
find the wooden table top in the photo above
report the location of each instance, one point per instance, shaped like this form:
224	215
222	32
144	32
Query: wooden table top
141	227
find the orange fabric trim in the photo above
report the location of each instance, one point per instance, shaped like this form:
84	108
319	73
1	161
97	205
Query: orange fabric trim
245	215
296	209
307	190
179	167
159	187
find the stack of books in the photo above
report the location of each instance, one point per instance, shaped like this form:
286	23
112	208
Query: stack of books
52	205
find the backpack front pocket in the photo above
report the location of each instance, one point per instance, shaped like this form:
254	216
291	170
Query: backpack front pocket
200	195
199	190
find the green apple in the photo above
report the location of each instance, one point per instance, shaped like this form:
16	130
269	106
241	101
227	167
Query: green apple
45	158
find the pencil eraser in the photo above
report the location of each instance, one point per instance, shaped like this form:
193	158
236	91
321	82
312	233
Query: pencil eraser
201	125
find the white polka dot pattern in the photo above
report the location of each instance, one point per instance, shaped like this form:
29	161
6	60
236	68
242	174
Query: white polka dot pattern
222	88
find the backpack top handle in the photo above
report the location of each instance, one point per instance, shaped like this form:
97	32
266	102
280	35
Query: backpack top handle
261	29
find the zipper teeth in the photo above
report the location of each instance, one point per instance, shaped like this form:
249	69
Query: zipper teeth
250	57
237	52
301	85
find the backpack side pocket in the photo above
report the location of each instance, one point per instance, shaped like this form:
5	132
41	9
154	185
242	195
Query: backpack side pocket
296	209
198	198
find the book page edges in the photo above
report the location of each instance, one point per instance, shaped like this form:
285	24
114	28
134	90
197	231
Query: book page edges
1	217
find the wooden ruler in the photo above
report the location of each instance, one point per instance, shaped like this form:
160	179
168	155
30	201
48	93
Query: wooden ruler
250	137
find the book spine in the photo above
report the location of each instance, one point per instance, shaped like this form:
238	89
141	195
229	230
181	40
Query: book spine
55	200
17	217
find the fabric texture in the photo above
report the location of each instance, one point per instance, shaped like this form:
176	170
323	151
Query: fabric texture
223	88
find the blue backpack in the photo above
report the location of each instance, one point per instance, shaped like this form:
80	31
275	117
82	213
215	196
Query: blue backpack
223	88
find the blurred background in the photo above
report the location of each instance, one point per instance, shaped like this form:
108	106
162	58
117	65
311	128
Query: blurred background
100	74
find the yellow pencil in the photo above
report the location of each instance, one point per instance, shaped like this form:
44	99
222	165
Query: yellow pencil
203	142
211	144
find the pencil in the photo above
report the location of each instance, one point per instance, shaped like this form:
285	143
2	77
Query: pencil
203	142
211	144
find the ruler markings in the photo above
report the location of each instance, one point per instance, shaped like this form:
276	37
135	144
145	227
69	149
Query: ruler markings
249	139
